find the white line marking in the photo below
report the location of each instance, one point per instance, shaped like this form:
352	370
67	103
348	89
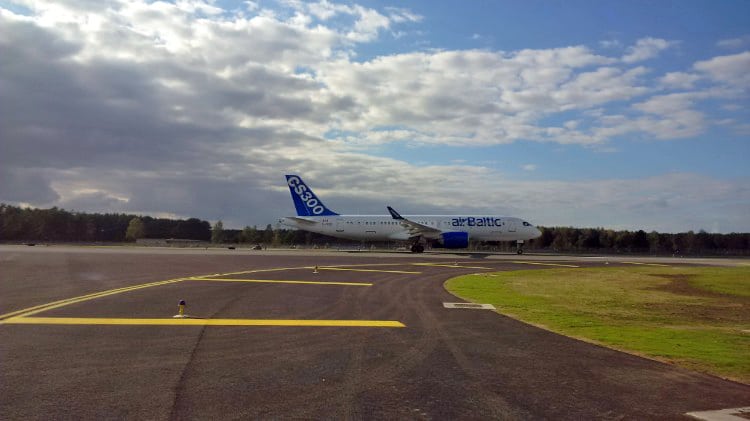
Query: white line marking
731	414
472	306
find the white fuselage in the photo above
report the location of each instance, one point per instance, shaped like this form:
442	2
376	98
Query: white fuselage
385	227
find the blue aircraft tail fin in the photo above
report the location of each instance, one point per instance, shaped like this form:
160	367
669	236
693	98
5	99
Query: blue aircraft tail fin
305	201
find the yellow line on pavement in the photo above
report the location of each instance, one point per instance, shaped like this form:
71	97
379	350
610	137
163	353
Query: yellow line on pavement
275	281
259	270
60	303
645	264
545	264
200	322
364	265
364	270
443	265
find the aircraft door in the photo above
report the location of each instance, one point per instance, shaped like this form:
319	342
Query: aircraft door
511	226
340	225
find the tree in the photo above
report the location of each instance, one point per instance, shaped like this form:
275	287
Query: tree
589	239
654	242
255	236
217	233
136	229
640	241
268	234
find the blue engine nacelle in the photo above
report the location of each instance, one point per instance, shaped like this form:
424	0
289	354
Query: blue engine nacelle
454	240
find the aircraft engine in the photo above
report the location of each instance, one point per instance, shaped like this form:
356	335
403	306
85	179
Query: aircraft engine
454	240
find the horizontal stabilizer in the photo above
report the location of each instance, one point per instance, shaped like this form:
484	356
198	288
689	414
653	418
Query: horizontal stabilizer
301	220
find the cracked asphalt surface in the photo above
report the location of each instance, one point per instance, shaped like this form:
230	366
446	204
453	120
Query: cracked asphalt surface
445	364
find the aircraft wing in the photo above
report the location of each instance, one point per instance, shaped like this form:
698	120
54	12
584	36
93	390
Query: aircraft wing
415	229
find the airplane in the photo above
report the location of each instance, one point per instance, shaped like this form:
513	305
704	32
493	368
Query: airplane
439	231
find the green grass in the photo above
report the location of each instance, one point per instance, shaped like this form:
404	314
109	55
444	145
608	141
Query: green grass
691	316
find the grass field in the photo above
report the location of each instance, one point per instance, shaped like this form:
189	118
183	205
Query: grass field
696	317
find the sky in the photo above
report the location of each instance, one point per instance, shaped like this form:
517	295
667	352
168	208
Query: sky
615	114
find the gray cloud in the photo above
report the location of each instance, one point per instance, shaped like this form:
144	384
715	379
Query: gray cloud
93	202
22	185
141	107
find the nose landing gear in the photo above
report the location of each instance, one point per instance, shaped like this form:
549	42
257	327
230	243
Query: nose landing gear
519	247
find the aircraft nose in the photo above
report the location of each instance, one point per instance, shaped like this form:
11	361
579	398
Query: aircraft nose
537	233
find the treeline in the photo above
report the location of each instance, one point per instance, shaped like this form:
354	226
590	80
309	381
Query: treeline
40	225
271	236
554	239
28	224
582	240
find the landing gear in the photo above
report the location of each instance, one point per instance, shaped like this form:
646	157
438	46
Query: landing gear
417	248
519	247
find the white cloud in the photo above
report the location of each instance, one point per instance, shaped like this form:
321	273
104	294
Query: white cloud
200	72
368	25
610	43
666	104
734	43
646	48
732	107
325	10
731	70
401	15
251	6
679	80
175	108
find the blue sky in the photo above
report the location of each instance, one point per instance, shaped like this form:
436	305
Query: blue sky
619	114
514	25
508	26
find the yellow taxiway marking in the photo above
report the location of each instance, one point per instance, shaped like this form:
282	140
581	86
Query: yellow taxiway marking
56	304
362	265
545	264
259	270
275	281
447	265
645	264
200	322
60	303
363	270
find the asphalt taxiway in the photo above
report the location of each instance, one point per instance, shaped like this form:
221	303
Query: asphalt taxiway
90	333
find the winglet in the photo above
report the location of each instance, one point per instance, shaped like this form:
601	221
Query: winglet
394	214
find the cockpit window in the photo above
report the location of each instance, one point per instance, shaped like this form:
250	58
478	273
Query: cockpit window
526	224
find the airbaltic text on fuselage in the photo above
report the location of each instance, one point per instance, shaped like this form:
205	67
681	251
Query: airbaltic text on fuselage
304	193
471	221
